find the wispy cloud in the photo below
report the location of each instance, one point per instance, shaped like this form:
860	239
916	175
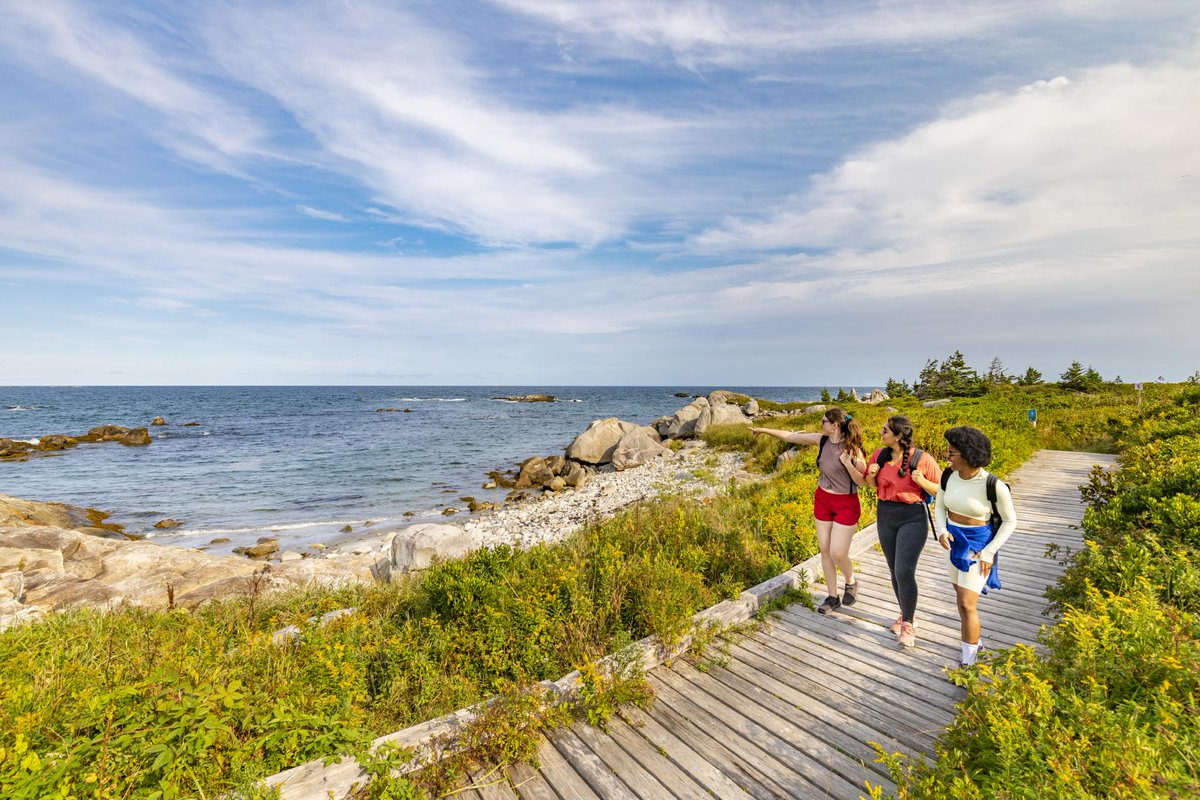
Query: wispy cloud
195	122
316	213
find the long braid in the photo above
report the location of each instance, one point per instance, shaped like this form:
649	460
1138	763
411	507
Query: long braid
902	427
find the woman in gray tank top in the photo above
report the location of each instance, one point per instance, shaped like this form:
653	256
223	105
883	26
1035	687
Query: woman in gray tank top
842	467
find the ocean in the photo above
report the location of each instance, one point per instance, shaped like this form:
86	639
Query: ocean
302	462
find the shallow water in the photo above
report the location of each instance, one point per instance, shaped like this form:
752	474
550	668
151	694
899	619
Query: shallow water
303	462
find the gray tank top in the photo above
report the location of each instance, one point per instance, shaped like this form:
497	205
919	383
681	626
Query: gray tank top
833	476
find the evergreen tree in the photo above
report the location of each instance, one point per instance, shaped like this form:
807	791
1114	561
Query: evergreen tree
897	388
952	378
996	374
1079	379
1031	377
843	396
825	398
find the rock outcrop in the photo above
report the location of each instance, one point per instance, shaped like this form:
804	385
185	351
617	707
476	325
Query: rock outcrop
45	568
637	447
597	444
529	398
416	547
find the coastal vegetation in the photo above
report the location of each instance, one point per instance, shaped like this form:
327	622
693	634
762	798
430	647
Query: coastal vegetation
180	702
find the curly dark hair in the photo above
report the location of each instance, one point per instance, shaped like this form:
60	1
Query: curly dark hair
972	444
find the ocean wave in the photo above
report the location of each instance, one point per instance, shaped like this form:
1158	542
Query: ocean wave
21	408
289	526
431	399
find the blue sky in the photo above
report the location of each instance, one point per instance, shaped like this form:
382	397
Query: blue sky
557	192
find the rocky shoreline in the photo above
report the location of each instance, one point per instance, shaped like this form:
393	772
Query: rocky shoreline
54	556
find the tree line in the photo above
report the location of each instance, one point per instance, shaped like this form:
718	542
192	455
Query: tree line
953	377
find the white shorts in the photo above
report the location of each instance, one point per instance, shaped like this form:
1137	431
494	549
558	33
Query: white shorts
970	579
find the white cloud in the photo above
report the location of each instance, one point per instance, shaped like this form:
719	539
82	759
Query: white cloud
703	32
199	124
317	213
395	103
1100	157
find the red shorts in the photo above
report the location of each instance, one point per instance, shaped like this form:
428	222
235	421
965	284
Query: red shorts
840	508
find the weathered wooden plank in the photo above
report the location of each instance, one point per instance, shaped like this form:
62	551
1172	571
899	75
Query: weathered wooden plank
492	784
633	774
529	784
655	761
766	695
560	774
715	750
724	710
714	781
599	776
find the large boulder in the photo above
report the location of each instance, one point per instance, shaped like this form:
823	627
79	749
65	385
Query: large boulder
875	397
750	408
683	422
721	414
416	547
636	448
720	397
936	403
536	471
818	408
597	443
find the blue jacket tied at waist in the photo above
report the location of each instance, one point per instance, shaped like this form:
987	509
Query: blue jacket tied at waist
966	539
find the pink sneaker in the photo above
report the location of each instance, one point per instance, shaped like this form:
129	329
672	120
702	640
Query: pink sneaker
896	625
908	634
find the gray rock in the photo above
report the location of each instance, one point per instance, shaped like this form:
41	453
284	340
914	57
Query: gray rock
416	547
786	456
750	408
597	443
819	408
683	422
636	448
936	403
723	414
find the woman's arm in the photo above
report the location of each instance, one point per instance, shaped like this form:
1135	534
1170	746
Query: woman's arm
794	437
939	519
856	465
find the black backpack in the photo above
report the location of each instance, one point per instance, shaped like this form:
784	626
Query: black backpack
994	521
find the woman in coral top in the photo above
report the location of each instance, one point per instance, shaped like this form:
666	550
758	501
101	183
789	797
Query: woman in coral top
902	516
841	467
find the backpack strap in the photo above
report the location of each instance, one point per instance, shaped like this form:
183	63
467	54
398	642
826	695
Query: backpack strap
914	459
821	448
946	477
885	455
991	493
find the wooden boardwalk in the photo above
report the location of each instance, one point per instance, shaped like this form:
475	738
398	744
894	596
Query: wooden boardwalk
793	712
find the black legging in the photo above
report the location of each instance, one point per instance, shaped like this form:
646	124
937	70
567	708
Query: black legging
903	529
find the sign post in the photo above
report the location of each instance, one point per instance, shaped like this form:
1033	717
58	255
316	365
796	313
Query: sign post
1033	417
1138	386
